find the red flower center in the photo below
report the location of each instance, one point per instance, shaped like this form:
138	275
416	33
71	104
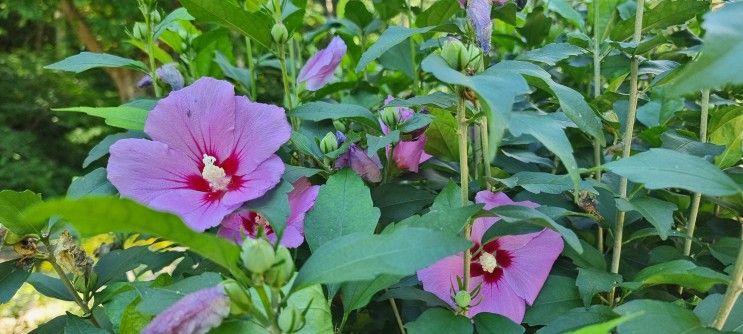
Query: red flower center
217	177
253	221
489	261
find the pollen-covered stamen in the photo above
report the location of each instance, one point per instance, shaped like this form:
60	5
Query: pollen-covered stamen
215	175
488	262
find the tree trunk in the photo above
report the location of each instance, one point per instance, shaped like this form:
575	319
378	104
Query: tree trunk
122	78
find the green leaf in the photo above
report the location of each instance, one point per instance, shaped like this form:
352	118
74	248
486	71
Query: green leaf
274	206
450	220
674	141
578	318
255	25
606	327
238	74
592	281
448	197
496	87
540	182
661	168
707	309
53	326
441	135
125	117
343	206
356	295
12	203
730	134
49	286
133	321
399	201
318	111
180	14
12	276
552	53
438	320
93	183
496	323
390	37
84	61
607	16
551	134
101	149
306	145
567	11
657	317
589	258
124	215
374	143
361	256
725	250
657	212
77	325
517	213
318	317
113	265
156	299
571	102
558	295
681	272
439	13
294	173
417	121
663	15
437	99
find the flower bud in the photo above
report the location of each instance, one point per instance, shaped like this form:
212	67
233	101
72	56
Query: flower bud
282	270
339	125
257	255
461	57
279	33
329	143
139	30
155	16
390	116
463	299
451	51
239	297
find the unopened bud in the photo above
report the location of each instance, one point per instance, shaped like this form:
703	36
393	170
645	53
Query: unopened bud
451	51
329	143
339	125
155	16
279	33
461	57
282	270
390	116
257	255
239	297
463	299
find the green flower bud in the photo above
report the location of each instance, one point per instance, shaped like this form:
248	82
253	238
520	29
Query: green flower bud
329	143
257	255
451	51
390	116
239	298
279	33
463	299
282	270
339	125
155	16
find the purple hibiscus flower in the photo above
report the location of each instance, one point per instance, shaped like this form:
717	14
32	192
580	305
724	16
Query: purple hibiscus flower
319	68
246	223
196	313
510	269
407	154
368	167
210	152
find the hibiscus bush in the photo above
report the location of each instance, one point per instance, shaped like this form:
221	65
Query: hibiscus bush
440	166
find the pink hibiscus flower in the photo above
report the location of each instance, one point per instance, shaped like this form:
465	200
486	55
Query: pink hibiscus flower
510	269
210	152
319	68
246	223
407	154
197	312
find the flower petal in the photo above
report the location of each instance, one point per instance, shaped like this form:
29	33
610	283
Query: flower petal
320	67
532	262
479	13
262	129
409	154
441	278
498	298
256	182
301	200
196	120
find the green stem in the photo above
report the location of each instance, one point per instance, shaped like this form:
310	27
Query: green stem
697	199
464	177
484	142
397	316
266	305
627	141
596	93
733	291
150	48
413	53
388	165
66	281
251	69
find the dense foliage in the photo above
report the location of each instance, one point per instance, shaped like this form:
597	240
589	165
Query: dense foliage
291	166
